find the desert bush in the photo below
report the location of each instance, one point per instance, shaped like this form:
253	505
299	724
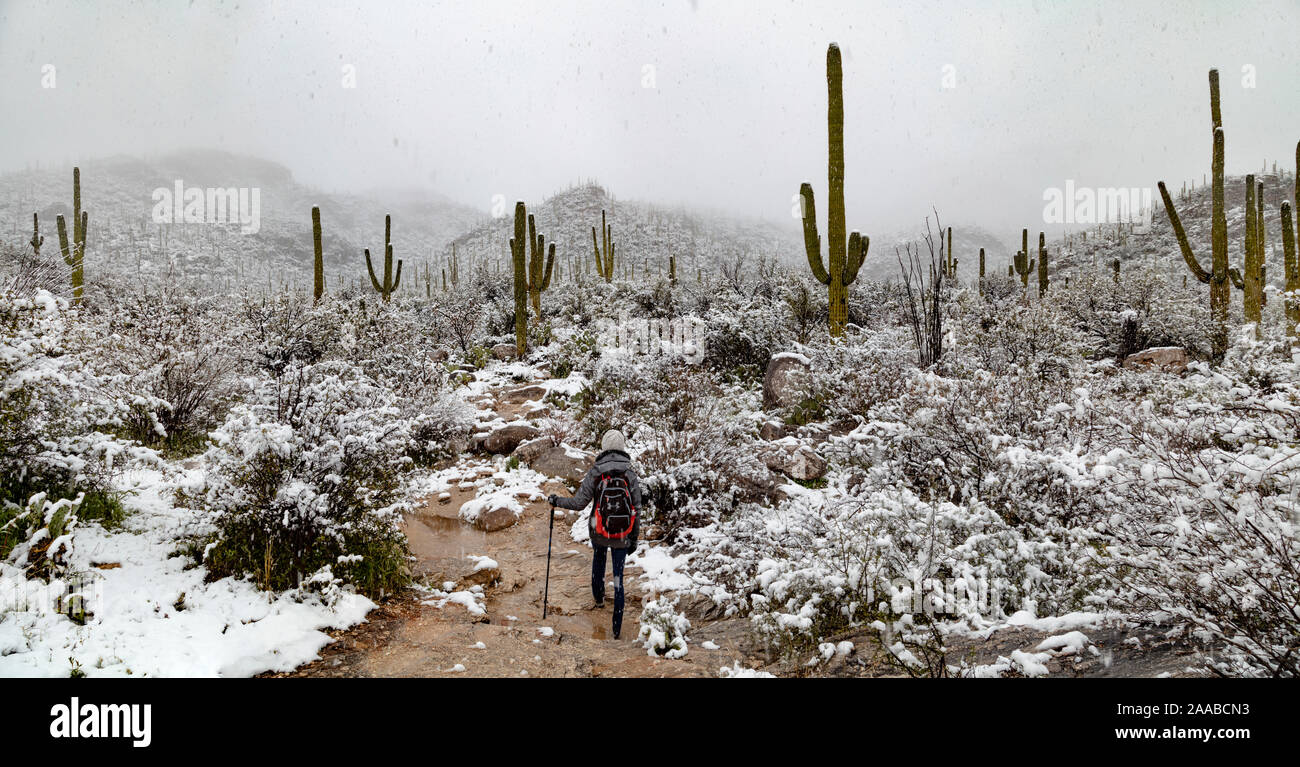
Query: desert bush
56	464
308	475
166	351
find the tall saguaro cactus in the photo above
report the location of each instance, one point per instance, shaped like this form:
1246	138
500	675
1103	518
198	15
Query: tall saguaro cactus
37	239
1292	268
1251	283
539	278
1023	263
1217	277
843	258
981	271
605	255
950	263
1291	257
318	259
74	252
1042	264
391	281
518	260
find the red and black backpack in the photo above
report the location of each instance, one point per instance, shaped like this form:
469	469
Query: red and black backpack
614	516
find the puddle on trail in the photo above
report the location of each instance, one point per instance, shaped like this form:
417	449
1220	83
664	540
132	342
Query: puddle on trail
434	537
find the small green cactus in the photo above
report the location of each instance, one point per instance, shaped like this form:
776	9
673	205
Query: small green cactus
391	280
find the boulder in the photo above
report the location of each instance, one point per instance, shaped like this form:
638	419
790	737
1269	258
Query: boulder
772	430
504	351
783	381
505	439
497	516
528	451
439	355
521	394
563	463
796	461
1167	359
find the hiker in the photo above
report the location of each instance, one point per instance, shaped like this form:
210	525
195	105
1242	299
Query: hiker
615	518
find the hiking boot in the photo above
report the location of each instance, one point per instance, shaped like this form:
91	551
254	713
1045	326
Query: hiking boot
600	605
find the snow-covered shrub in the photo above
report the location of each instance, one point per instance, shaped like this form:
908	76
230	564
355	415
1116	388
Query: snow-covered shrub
848	380
52	442
36	538
165	352
1204	534
308	475
1142	309
663	629
813	566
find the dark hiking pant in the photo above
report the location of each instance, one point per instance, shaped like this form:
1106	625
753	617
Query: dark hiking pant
598	581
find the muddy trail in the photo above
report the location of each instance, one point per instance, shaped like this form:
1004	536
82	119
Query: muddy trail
410	635
501	632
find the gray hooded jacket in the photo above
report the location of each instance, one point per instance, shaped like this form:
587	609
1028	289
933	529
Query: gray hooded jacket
610	460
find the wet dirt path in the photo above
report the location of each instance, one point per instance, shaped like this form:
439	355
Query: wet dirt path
407	636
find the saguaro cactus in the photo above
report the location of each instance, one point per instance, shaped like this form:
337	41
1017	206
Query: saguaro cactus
981	271
391	281
1042	264
517	257
1261	240
539	278
37	240
672	269
605	256
74	252
1292	268
950	263
845	259
1217	278
1022	262
318	260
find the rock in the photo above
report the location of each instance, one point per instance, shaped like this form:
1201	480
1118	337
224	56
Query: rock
482	577
1167	359
439	355
496	517
772	430
783	382
796	461
562	462
505	439
528	451
522	394
504	351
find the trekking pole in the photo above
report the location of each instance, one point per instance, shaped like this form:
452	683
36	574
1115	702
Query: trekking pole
546	594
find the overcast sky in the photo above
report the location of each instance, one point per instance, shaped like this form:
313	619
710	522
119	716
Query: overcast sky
519	99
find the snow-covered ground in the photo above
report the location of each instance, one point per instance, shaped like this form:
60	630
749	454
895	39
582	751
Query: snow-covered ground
153	614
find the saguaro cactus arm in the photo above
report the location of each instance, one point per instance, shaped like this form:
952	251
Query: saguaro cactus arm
812	242
1180	232
371	269
859	244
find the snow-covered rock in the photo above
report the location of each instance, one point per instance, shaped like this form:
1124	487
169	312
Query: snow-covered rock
781	382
